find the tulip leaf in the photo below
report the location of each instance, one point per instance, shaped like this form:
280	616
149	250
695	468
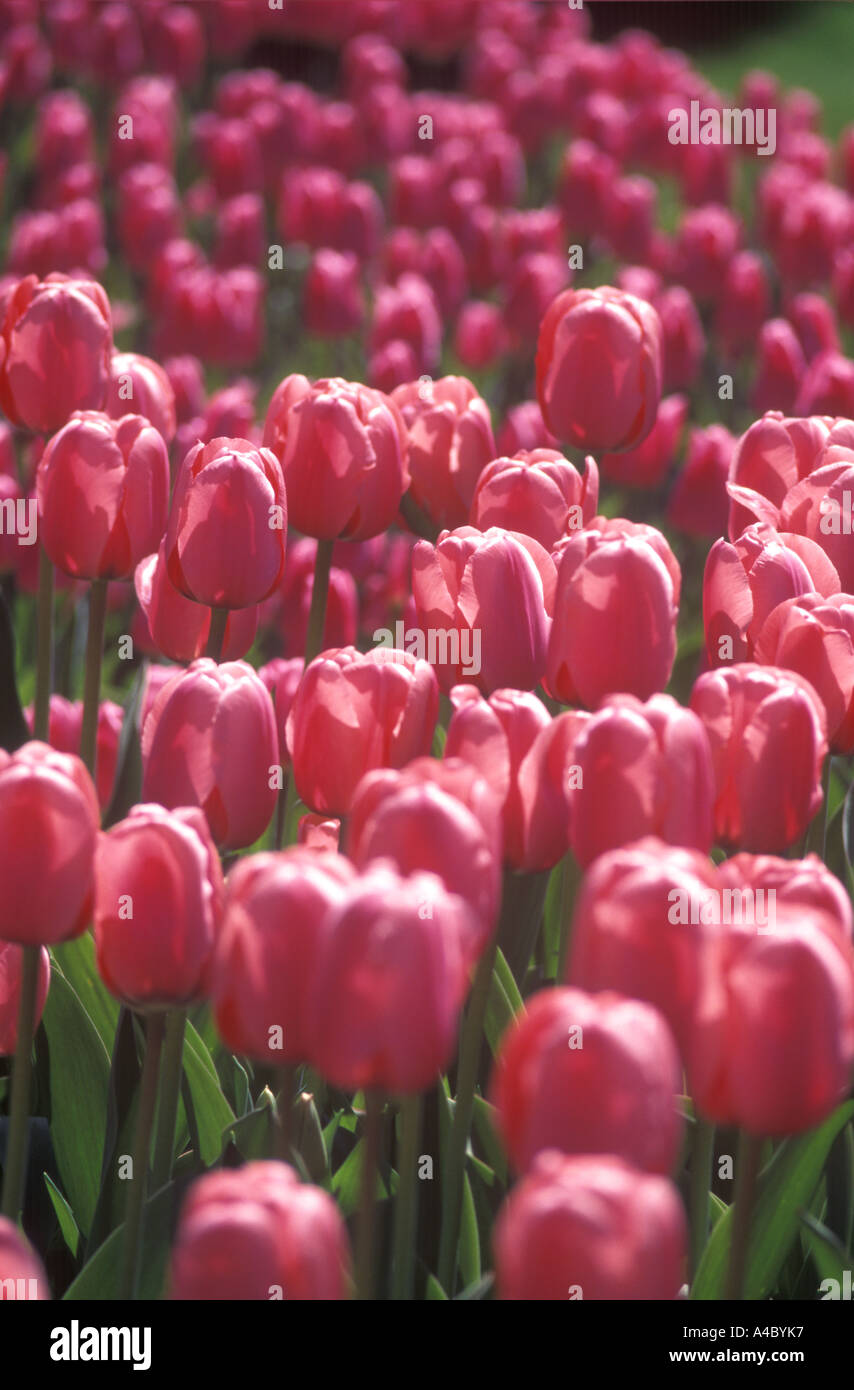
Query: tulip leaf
786	1187
254	1135
480	1289
508	984
101	1275
125	1072
64	1215
79	1085
485	1128
435	1292
14	729
828	1253
346	1183
76	960
499	1014
469	1248
212	1113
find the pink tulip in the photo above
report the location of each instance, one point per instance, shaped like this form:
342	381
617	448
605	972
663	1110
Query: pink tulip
179	628
10	993
813	634
538	493
140	386
448	444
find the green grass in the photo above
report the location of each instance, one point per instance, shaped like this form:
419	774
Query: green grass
811	48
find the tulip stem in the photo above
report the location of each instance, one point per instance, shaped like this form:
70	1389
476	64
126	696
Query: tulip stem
701	1181
92	684
216	634
14	1181
319	593
570	879
154	1031
44	648
287	1076
749	1154
406	1214
466	1078
368	1197
170	1090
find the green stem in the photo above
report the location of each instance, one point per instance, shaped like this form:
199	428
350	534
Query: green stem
701	1181
287	1074
170	1091
14	1182
92	684
749	1153
406	1212
466	1077
155	1029
368	1198
44	648
570	879
216	634
319	593
287	802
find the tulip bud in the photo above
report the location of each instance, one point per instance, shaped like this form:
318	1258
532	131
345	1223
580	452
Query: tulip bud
22	1274
538	493
10	993
448	444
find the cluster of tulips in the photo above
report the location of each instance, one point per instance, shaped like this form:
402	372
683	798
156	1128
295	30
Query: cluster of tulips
422	968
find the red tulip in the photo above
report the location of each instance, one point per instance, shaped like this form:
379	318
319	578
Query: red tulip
745	580
706	243
591	1228
103	491
646	769
814	635
448	444
179	628
277	908
538	493
158	890
209	740
48	823
648	464
334	303
744	304
65	726
389	983
57	340
698	503
616	607
599	368
527	759
800	883
379	709
282	678
683	339
22	1274
780	367
341	446
225	544
10	993
486	600
773	1048
257	1232
140	386
768	736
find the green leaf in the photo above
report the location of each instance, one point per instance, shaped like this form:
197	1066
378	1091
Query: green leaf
480	1289
785	1188
484	1127
127	783
14	729
254	1135
212	1112
101	1276
76	960
435	1292
499	1014
508	984
347	1181
122	1097
79	1081
469	1256
828	1253
64	1215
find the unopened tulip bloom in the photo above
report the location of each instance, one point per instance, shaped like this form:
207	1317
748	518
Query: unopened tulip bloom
103	493
22	1274
774	1039
526	757
180	628
800	883
258	1232
647	465
706	243
590	1227
48	825
58	341
746	579
780	367
390	982
683	339
539	493
448	444
767	730
744	304
626	935
334	303
140	386
225	543
489	596
776	454
158	890
414	819
599	363
10	993
274	925
646	769
341	446
589	1073
616	606
376	710
282	678
814	635
65	725
209	740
